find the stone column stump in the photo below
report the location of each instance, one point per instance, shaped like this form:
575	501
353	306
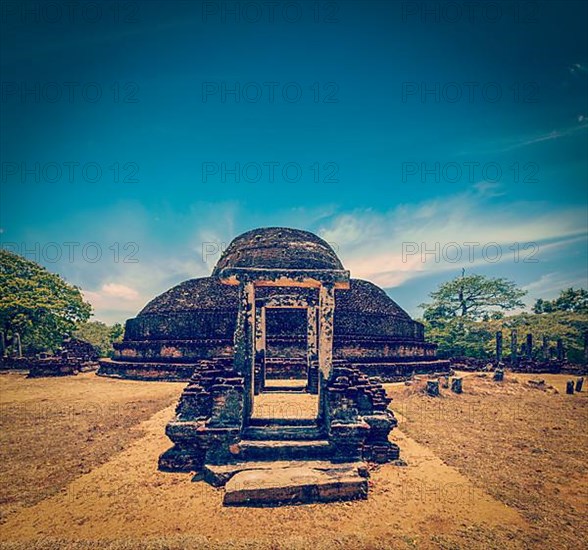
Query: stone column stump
433	388
456	386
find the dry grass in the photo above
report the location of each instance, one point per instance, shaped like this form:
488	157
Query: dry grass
525	445
53	430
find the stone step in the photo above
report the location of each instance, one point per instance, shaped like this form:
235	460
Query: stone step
259	421
284	389
315	449
293	485
283	433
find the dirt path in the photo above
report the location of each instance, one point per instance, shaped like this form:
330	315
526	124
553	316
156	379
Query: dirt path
426	503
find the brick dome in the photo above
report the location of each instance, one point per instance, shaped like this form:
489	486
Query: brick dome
202	293
365	297
278	247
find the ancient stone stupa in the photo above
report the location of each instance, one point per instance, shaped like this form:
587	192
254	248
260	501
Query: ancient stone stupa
284	354
196	320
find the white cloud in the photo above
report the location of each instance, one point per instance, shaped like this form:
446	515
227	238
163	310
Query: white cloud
503	146
120	291
549	286
371	244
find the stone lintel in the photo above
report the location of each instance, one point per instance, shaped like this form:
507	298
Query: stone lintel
286	301
312	278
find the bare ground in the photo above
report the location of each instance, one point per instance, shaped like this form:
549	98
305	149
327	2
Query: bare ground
471	479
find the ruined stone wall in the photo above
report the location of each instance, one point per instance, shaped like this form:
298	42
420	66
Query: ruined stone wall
286	369
374	324
174	351
147	371
377	347
396	371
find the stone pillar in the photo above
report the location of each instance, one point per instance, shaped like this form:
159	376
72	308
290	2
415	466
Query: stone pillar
529	347
260	344
456	386
312	350
311	334
433	388
545	348
326	328
579	383
586	347
570	387
498	375
513	348
499	346
2	344
560	350
16	350
259	329
245	342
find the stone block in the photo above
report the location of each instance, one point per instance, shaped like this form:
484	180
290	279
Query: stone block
295	485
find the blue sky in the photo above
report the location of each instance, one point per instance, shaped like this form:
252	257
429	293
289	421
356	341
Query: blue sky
382	126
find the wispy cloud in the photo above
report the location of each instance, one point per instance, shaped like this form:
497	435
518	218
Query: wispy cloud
525	141
549	285
371	244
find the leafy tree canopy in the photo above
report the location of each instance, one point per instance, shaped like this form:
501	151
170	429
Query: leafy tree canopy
39	305
100	335
473	297
570	299
466	313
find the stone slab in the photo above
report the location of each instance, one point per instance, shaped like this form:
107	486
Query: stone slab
293	485
219	475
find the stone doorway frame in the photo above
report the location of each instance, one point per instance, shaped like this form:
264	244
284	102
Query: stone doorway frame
286	301
247	339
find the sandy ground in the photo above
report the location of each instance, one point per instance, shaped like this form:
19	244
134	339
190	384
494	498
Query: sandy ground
284	405
122	501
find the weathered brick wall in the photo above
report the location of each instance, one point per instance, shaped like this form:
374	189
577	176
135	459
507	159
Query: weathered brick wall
176	351
285	368
182	325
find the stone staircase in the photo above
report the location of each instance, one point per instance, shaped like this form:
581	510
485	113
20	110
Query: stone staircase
280	429
286	461
283	439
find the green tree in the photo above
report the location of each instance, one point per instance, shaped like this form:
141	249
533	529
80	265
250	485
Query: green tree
570	299
37	304
100	335
473	297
